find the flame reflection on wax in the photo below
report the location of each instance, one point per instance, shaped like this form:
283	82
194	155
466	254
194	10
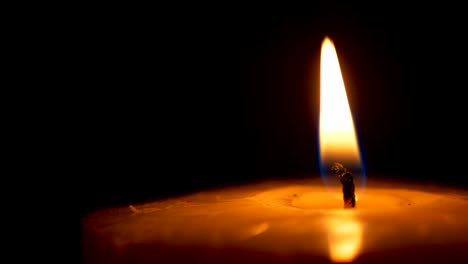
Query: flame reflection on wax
344	237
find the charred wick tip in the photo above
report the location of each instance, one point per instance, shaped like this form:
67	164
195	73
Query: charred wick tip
347	181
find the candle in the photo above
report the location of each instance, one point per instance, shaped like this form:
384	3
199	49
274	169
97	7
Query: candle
285	221
292	220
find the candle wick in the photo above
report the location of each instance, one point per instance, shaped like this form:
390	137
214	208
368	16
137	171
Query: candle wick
347	180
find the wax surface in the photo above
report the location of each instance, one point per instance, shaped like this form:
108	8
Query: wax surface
293	221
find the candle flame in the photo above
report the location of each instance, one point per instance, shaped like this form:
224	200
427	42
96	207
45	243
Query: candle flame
338	141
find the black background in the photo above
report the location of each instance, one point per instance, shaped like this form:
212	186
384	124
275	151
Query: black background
178	99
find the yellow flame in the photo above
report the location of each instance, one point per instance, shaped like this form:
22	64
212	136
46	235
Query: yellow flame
344	238
338	140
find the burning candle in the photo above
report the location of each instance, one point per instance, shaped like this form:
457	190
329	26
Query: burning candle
292	220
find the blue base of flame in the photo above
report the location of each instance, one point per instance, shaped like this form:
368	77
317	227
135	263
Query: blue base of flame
357	170
331	180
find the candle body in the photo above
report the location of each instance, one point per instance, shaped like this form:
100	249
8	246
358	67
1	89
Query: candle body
295	221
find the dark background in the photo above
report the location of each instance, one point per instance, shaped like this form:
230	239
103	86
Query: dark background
178	99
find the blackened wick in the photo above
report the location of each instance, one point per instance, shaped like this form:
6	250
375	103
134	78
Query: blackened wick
347	181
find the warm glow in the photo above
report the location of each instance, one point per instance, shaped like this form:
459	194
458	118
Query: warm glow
338	140
344	238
